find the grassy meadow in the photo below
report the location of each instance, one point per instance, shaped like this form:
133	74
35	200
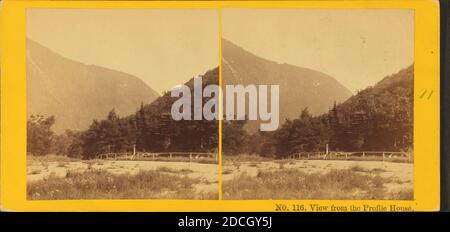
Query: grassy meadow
246	178
57	178
99	184
294	184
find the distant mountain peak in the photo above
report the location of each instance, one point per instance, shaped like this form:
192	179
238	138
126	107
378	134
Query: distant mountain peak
77	93
299	87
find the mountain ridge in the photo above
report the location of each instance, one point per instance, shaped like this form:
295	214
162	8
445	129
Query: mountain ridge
299	87
77	93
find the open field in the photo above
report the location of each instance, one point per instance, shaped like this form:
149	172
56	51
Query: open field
317	179
63	178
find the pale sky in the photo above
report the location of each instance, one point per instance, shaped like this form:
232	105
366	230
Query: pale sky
163	47
357	47
166	47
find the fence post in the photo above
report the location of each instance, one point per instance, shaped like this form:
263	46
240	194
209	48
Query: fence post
383	156
346	155
190	157
170	155
364	155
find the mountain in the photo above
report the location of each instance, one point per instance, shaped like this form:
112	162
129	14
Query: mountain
163	104
76	93
394	91
299	87
379	117
152	128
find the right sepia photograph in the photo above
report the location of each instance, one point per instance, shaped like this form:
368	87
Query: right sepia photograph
345	87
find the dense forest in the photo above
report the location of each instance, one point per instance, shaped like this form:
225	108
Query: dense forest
151	128
376	118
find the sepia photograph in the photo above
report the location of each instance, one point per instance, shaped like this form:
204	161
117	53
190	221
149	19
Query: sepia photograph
222	106
99	104
345	85
124	104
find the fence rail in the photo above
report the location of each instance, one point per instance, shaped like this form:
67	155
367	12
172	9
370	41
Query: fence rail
155	155
338	155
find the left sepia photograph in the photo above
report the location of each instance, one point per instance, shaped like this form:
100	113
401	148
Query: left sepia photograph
99	104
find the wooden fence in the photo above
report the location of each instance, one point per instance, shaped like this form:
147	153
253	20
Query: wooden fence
155	155
362	155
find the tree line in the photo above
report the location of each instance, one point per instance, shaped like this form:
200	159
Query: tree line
376	118
150	129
